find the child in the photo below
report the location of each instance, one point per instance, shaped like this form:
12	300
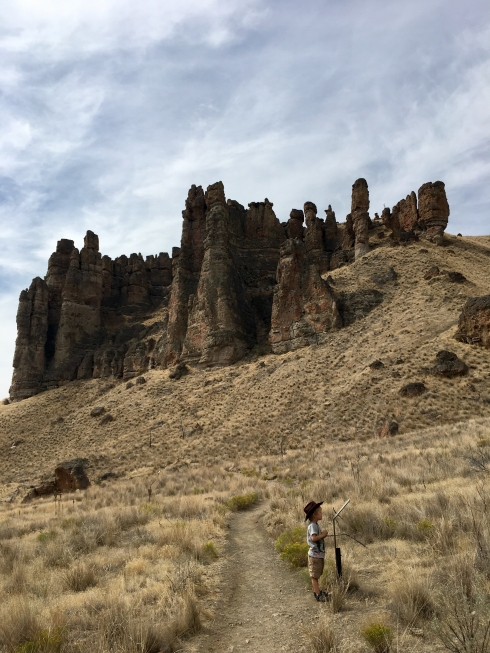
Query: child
316	554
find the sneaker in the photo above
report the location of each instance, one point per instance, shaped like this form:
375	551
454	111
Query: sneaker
320	597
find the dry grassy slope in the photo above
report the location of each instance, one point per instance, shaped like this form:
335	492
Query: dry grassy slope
301	398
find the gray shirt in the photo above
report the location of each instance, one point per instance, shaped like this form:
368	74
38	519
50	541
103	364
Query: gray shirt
317	549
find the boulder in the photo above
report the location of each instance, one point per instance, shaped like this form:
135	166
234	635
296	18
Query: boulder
70	475
97	411
474	322
414	389
448	365
431	273
455	277
106	419
178	371
389	428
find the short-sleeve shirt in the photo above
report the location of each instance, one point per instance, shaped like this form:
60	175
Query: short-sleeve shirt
317	549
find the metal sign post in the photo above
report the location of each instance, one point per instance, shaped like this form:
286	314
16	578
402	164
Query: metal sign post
338	555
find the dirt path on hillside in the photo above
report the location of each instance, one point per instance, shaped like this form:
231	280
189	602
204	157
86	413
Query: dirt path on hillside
263	606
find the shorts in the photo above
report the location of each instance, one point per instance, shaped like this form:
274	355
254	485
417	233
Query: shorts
315	566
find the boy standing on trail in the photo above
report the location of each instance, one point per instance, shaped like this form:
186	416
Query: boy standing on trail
316	555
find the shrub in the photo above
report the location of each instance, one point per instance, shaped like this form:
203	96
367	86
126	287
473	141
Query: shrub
208	552
425	527
18	623
46	641
46	536
296	554
378	636
290	536
242	502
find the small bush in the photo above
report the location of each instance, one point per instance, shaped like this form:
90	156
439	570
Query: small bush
242	502
47	641
47	536
425	527
296	554
208	552
290	536
378	636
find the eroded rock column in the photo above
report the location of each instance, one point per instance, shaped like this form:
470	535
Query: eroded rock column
433	210
32	329
360	217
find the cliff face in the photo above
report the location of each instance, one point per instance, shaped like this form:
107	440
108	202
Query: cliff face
239	279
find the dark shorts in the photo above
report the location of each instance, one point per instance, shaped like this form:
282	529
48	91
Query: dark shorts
315	566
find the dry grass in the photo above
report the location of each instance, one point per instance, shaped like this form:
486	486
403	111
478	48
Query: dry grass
106	570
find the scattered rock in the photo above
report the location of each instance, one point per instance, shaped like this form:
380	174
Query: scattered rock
399	361
97	411
390	428
140	380
431	273
422	250
395	374
107	418
459	235
69	476
448	365
413	389
376	365
5	402
178	371
474	322
107	476
16	444
129	384
456	277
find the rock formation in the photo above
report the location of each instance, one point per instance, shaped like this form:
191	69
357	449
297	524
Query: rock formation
433	210
304	307
474	322
360	217
239	279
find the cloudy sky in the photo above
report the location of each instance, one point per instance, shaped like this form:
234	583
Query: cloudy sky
111	109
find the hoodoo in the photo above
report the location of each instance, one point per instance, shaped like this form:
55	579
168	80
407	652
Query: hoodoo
240	279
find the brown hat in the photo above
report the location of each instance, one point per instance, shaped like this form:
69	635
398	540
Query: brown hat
310	508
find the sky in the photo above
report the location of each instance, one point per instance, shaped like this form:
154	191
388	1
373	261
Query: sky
111	109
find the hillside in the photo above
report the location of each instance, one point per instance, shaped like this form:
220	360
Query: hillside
265	404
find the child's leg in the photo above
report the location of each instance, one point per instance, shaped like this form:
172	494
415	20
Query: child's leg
316	587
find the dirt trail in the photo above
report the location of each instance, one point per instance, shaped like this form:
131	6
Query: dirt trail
263	606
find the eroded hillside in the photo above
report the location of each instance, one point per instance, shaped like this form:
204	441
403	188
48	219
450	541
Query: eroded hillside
265	404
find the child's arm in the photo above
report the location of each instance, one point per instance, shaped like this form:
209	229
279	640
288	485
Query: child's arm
320	536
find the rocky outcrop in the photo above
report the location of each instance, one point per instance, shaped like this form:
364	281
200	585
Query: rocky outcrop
407	212
433	210
69	477
240	279
304	307
474	322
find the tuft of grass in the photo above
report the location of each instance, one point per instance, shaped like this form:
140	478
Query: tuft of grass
378	636
80	577
208	552
242	501
322	637
413	601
